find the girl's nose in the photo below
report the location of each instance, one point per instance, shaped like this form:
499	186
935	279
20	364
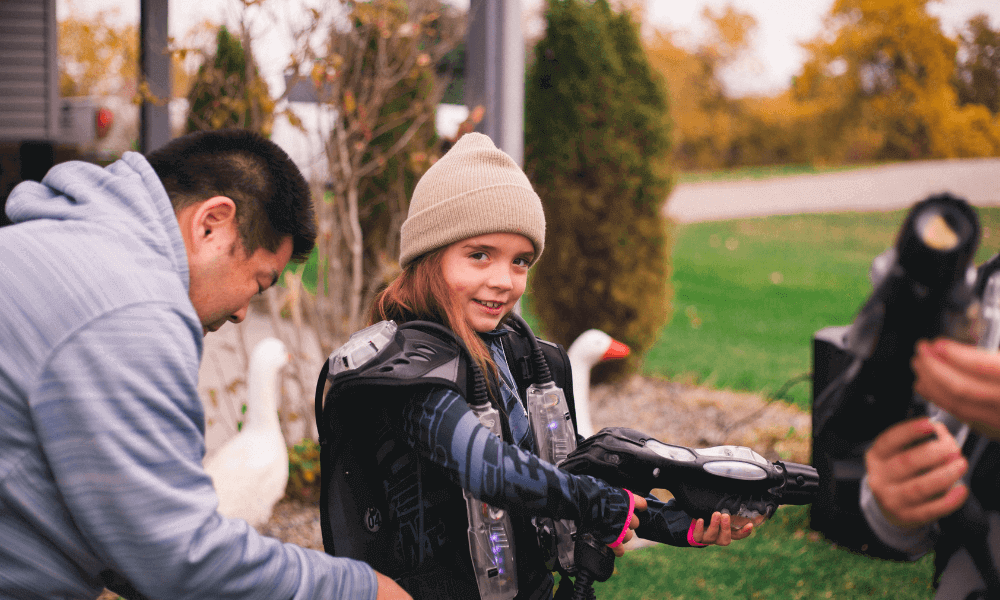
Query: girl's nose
500	278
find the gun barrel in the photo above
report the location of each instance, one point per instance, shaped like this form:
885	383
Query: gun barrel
801	483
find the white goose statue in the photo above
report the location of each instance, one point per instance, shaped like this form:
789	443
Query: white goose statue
250	471
591	347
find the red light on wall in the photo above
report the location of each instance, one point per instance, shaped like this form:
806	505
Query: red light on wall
105	119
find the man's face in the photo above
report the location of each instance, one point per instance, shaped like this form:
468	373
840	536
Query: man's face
223	278
223	284
221	288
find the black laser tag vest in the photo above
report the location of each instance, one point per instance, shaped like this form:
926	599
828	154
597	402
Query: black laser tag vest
359	396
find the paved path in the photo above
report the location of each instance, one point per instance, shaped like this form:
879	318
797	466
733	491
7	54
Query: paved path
873	189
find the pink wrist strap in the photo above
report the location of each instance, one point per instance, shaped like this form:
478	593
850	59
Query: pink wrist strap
628	520
691	534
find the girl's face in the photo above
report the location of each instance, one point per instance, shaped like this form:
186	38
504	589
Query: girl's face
487	274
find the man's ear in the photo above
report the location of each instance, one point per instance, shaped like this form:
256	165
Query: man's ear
216	213
208	225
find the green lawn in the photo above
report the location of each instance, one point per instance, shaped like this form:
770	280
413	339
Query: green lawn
750	293
783	560
759	172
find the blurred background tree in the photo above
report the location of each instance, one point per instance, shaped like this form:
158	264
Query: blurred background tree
713	130
978	75
882	82
96	56
596	148
228	90
881	85
378	77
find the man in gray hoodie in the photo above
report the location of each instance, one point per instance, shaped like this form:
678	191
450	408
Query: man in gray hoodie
109	279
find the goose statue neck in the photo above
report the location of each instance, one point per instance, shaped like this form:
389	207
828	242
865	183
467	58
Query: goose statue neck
263	379
250	471
591	347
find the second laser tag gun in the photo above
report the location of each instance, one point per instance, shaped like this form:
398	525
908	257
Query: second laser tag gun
923	288
732	479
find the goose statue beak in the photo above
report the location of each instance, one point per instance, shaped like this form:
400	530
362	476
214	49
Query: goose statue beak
616	350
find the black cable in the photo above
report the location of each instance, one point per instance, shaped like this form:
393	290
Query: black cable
780	394
537	358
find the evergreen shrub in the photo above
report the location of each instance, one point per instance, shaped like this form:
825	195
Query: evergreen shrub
221	97
596	149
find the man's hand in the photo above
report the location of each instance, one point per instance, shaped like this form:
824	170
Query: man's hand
961	379
389	589
915	470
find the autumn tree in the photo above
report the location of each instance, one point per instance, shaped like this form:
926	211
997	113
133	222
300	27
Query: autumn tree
978	76
879	87
596	149
377	74
711	128
97	56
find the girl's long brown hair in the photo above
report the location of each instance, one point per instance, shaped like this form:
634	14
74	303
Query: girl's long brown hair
419	292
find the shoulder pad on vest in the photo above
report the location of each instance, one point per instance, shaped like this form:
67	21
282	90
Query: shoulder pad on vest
386	356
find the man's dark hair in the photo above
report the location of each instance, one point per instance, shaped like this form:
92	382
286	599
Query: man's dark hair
272	197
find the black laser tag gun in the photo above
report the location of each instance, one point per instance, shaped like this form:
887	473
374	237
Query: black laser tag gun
732	479
924	286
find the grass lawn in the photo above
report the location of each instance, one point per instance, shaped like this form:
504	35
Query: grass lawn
783	560
750	293
759	172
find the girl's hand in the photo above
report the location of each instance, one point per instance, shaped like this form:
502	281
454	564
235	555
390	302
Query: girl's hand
723	529
640	505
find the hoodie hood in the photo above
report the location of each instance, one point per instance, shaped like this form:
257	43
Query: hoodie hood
125	196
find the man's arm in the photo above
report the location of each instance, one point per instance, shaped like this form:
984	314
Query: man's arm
121	425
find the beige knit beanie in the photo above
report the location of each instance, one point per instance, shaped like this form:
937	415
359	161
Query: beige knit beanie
474	189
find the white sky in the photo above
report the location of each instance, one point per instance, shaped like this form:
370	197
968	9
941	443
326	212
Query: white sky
776	56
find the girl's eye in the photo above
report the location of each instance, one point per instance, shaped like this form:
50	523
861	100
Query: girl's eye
522	262
478	256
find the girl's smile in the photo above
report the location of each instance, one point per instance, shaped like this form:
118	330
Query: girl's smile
487	275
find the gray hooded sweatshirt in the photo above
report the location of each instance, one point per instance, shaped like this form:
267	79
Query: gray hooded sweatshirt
101	427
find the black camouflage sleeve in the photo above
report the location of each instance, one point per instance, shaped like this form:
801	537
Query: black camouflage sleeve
441	428
664	522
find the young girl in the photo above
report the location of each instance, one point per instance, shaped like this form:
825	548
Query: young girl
475	227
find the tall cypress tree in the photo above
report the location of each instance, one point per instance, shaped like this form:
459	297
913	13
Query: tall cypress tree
222	97
596	149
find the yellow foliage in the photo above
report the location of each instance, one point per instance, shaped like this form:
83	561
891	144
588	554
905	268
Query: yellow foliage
95	56
878	84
